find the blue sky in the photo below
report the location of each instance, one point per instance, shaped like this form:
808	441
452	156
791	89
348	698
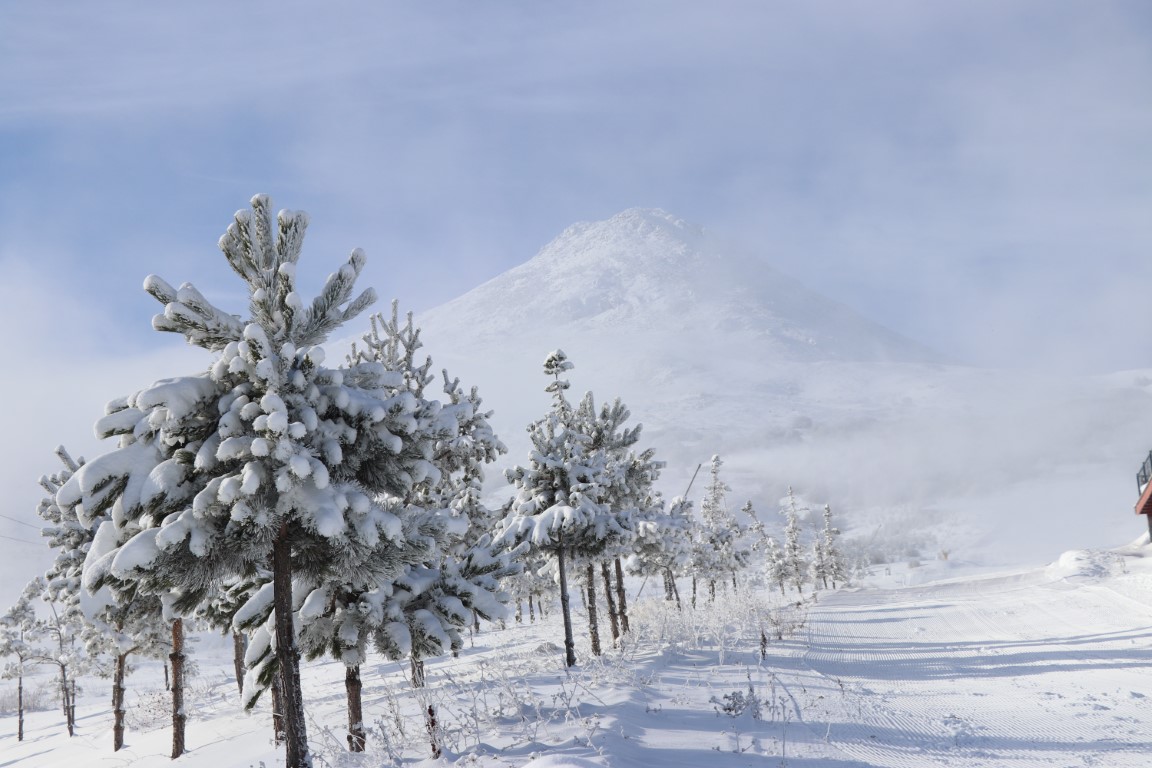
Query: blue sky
977	175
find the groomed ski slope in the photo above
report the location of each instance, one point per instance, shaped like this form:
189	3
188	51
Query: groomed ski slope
1048	667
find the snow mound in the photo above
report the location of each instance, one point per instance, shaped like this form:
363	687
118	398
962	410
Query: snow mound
1085	564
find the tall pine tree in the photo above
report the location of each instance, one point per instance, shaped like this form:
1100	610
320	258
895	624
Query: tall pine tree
270	459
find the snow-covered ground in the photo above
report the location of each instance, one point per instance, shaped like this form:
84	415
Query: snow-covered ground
941	664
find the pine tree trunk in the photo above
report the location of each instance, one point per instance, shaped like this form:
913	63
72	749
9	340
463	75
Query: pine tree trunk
66	702
417	666
20	703
353	686
565	609
239	648
622	599
433	731
540	607
63	691
167	682
476	620
178	716
590	599
519	611
667	586
711	591
419	680
288	656
610	601
693	591
675	591
72	707
531	611
118	702
277	710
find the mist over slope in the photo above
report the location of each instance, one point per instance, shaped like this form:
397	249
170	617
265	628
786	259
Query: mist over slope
661	282
719	353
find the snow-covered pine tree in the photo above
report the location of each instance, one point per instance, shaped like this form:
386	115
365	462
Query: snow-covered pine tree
61	586
536	578
61	632
756	530
270	458
18	635
558	505
664	544
118	619
452	570
827	560
630	479
775	567
718	553
794	562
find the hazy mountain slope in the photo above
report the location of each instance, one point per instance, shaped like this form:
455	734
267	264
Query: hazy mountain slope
720	354
654	278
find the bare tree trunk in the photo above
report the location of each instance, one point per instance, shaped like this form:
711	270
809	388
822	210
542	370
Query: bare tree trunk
565	609
606	574
531	610
353	686
277	710
239	648
593	625
118	701
288	656
622	599
178	716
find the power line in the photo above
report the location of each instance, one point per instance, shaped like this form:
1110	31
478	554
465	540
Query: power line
21	522
22	541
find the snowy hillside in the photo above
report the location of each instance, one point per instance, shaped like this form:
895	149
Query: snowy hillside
933	666
656	283
717	353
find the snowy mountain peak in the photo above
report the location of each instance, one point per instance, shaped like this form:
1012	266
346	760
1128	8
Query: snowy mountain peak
646	277
644	239
653	223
